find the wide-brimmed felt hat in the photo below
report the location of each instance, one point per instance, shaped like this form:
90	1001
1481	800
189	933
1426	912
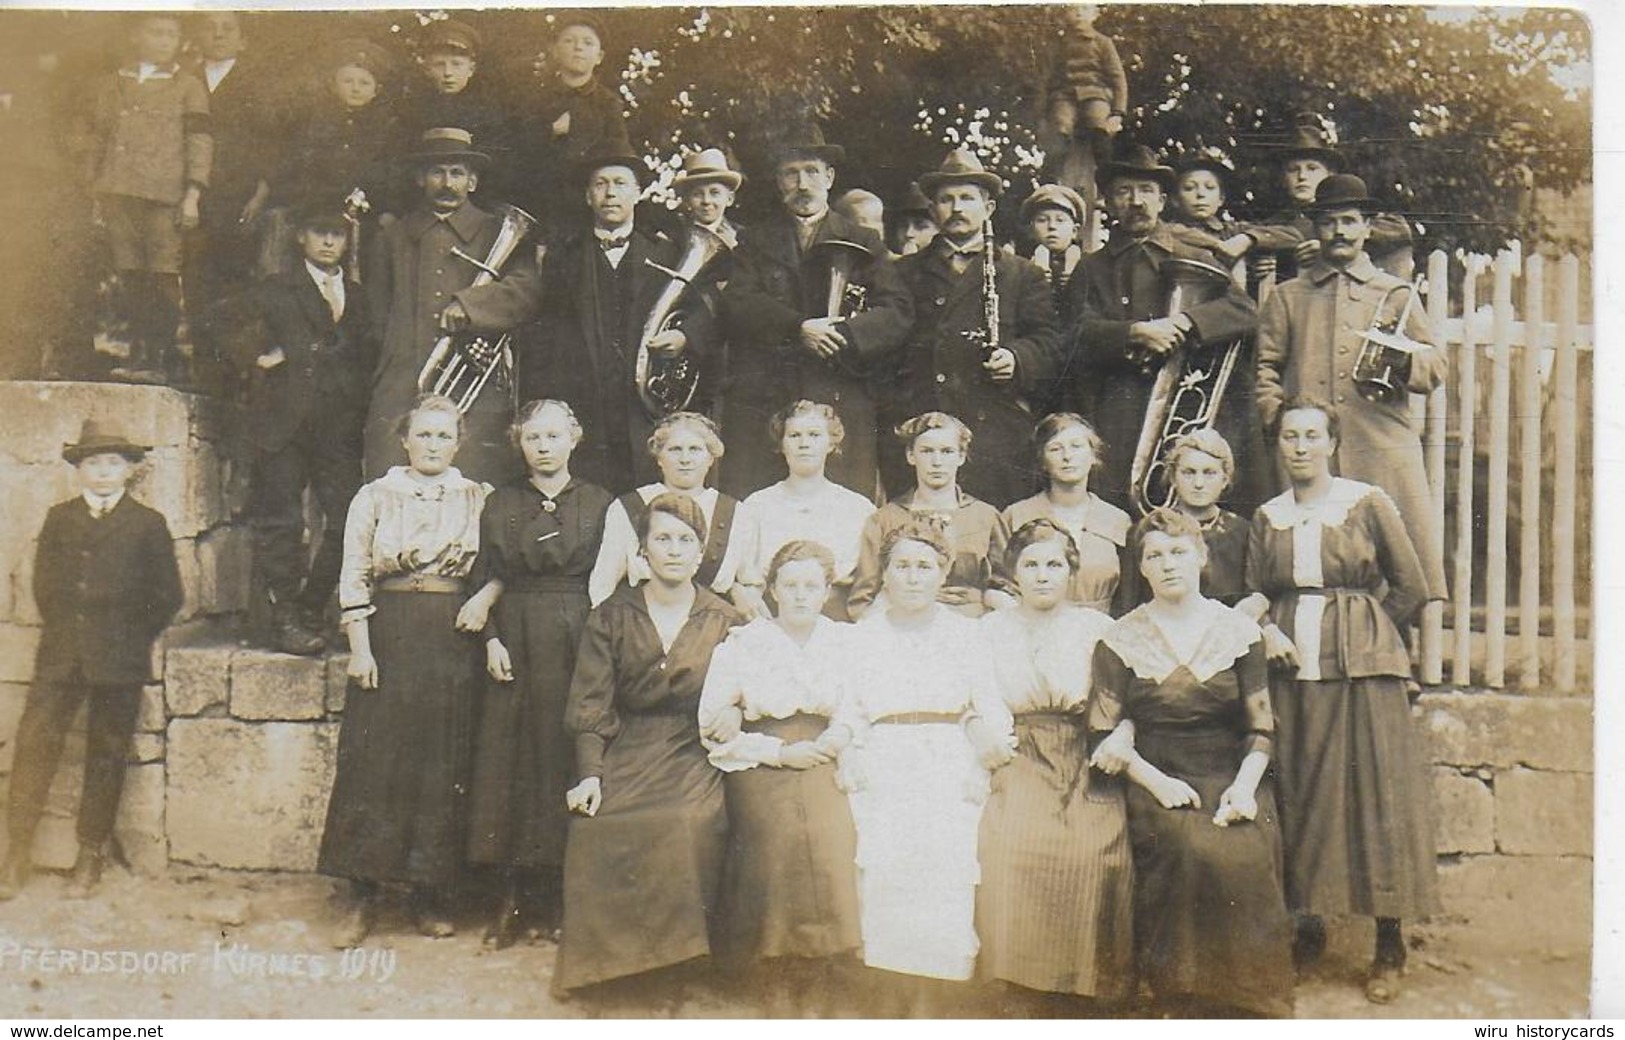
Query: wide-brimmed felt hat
1137	161
1342	191
804	139
708	166
960	166
1055	196
448	144
449	34
97	438
1310	141
363	54
913	201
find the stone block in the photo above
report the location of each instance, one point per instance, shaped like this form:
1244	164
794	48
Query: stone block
42	417
140	823
266	685
1504	731
17	646
337	682
13	697
225	560
186	563
1464	810
1543	814
1544	900
151	718
147	747
196	678
250	796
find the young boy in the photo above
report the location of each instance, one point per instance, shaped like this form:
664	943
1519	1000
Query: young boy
1198	214
913	226
152	156
106	583
575	116
348	138
1054	213
306	407
451	94
1088	90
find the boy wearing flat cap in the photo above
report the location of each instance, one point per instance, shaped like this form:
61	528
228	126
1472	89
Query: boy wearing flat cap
574	115
1054	215
106	584
449	93
347	140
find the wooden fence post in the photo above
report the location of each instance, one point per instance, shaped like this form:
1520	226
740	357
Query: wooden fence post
1466	363
1495	538
1529	408
1565	379
1433	446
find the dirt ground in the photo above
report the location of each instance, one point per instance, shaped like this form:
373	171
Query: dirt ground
233	945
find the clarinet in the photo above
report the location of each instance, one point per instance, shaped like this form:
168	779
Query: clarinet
988	334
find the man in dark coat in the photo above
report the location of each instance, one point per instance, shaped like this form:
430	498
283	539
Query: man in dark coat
106	583
949	364
785	345
1121	332
416	284
598	288
305	407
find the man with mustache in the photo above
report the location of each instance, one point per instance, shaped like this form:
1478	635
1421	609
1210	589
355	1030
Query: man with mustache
1309	336
418	288
948	363
1120	333
785	346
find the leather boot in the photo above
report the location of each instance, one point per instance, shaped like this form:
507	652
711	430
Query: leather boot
87	873
289	634
358	919
503	932
13	874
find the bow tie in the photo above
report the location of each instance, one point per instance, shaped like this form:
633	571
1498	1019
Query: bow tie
609	245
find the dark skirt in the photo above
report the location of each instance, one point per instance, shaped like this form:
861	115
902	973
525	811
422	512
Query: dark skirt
1210	920
790	881
398	810
641	877
523	757
1055	907
1356	801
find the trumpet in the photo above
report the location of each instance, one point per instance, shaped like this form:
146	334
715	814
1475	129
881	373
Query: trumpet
460	365
1189	387
667	384
844	297
1383	365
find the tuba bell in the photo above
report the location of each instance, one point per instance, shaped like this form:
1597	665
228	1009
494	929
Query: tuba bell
667	384
841	258
1189	387
1382	368
459	365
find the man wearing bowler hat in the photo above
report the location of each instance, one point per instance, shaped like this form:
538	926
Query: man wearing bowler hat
1309	338
418	286
949	364
785	341
1121	332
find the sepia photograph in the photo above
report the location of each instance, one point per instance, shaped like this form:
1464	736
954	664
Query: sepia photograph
1006	511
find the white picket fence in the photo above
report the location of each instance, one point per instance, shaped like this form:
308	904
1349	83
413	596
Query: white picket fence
1512	421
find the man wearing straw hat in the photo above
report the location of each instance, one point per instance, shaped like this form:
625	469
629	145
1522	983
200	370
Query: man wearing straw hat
786	343
1310	336
417	287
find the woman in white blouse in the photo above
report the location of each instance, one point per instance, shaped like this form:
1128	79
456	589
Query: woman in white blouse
930	727
1069	451
772	717
398	809
804	505
685	446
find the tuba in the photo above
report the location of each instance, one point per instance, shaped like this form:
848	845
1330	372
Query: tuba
1383	366
667	384
845	297
460	365
1189	387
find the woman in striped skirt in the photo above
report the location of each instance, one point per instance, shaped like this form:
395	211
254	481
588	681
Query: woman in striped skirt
1054	909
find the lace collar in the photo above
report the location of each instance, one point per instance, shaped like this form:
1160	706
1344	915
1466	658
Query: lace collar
1140	643
399	479
1284	512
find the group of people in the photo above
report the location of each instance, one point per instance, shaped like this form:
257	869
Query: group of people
976	703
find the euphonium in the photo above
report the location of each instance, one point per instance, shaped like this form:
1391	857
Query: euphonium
1189	387
1383	365
845	297
460	365
667	384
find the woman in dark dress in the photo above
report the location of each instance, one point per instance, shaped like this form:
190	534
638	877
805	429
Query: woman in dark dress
645	854
772	716
538	541
1202	467
1184	676
1055	905
1341	579
398	810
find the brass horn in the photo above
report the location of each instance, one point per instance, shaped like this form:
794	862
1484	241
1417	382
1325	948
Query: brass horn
1383	365
667	384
